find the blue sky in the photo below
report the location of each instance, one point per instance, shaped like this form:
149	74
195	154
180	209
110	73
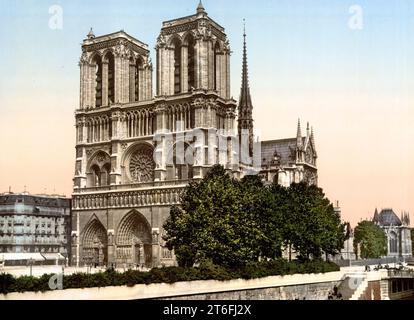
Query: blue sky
354	86
304	42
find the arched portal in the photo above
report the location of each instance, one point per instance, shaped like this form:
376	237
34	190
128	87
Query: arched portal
133	240
95	244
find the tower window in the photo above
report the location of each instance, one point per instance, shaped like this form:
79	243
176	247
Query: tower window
191	63
216	65
98	81
138	67
111	79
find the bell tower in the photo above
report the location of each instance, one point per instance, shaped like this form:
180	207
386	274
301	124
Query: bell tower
192	92
193	53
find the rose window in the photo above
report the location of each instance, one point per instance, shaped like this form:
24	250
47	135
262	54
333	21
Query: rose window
141	166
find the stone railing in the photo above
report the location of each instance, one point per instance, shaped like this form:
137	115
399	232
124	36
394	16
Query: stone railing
128	198
165	183
401	273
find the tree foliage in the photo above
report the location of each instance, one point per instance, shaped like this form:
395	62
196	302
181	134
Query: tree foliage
233	222
312	224
371	239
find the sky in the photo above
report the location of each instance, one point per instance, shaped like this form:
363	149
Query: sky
347	67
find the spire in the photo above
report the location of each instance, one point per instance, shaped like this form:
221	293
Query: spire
299	135
376	217
91	35
200	8
245	112
245	102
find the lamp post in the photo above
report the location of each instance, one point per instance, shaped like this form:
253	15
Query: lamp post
31	261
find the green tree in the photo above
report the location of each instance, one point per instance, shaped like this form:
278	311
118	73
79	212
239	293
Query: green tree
258	221
311	225
371	240
276	220
215	221
233	222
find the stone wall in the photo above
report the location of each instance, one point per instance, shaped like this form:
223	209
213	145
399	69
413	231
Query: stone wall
313	291
372	292
298	286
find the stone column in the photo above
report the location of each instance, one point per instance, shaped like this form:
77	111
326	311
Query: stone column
159	73
82	85
149	89
164	72
91	84
220	75
142	80
227	74
117	133
184	68
132	80
104	83
171	63
156	252
161	144
125	82
201	64
211	54
111	246
118	79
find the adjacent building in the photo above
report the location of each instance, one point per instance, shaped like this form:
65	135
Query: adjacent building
135	152
397	231
34	228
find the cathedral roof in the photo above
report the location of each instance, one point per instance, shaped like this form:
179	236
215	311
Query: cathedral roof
387	217
285	150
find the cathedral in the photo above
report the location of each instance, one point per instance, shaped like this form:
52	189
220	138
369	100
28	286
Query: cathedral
136	151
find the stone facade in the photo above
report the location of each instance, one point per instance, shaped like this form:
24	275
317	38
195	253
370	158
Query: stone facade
34	224
129	170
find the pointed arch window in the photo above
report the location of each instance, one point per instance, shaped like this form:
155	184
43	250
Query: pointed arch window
111	78
177	66
191	63
393	242
138	72
97	62
216	65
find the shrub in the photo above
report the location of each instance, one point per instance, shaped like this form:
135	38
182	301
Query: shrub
206	271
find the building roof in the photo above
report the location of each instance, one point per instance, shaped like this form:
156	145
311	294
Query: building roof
200	14
93	40
42	200
285	151
387	217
